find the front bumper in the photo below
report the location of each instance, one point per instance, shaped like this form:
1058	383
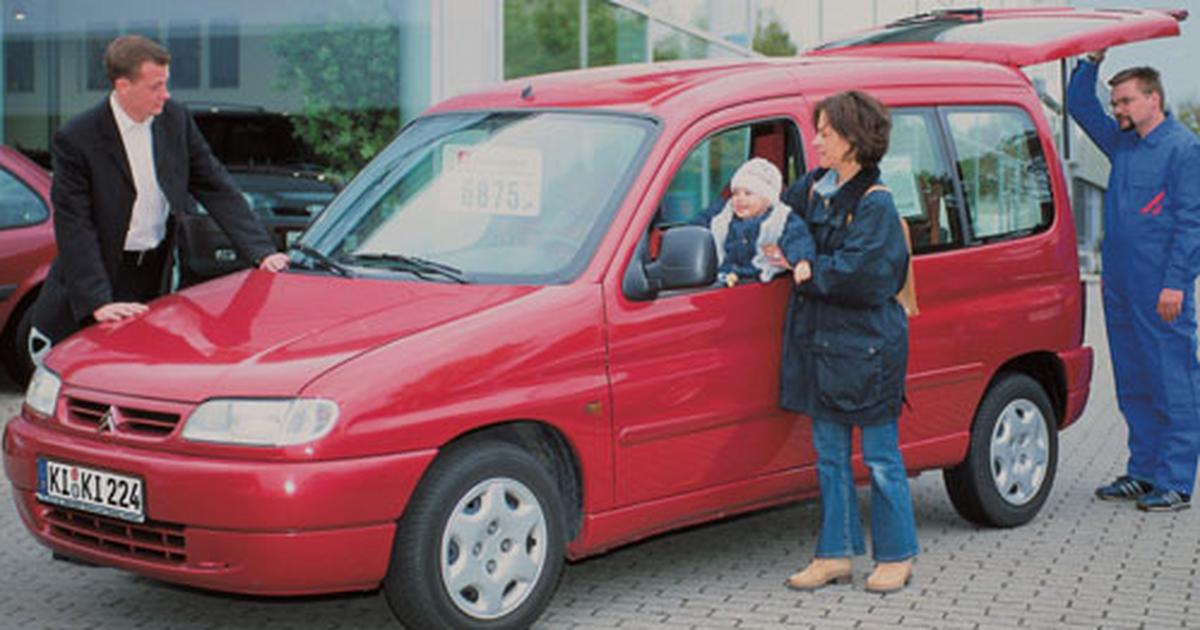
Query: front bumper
266	528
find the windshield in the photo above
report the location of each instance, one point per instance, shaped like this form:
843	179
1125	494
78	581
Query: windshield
495	197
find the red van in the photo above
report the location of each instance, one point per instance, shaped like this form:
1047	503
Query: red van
500	346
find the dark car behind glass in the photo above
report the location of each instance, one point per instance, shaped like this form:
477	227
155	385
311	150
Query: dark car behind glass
278	173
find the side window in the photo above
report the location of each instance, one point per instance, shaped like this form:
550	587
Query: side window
703	179
917	172
1005	179
19	206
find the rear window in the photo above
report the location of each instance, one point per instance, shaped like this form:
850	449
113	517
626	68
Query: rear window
1005	178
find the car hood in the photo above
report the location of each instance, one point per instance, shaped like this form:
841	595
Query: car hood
259	334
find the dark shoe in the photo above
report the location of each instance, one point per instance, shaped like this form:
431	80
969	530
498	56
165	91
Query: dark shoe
1123	489
1164	501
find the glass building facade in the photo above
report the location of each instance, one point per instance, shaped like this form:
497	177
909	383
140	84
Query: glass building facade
350	72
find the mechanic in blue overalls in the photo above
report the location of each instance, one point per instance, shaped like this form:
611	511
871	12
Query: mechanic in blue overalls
1151	253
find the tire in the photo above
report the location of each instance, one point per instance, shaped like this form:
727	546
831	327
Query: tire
16	354
1012	458
486	514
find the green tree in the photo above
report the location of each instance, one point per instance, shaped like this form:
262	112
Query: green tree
668	48
349	80
543	36
615	35
771	39
540	36
1189	114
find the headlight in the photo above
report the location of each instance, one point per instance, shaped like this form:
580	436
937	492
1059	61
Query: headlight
42	392
261	422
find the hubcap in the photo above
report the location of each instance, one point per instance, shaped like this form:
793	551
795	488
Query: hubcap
493	548
1020	451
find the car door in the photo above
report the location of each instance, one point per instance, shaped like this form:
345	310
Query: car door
943	375
695	373
26	232
1014	37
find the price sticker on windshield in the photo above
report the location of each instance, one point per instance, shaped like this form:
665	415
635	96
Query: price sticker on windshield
491	180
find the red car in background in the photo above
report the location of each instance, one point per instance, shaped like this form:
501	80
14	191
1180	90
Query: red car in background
26	251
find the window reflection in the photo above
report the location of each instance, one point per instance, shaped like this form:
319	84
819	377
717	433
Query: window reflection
19	206
703	178
917	174
1005	179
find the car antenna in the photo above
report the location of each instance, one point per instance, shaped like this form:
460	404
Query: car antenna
527	93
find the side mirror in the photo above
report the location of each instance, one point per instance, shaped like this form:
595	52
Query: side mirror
687	258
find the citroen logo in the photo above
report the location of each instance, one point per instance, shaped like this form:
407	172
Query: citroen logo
109	421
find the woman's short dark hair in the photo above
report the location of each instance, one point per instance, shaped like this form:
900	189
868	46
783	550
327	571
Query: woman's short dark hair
862	120
125	55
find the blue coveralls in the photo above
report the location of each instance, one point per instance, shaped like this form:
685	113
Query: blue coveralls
1151	242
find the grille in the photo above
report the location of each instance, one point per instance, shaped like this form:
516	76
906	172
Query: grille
152	540
130	419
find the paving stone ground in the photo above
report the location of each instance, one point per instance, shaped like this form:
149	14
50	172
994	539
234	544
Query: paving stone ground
1080	564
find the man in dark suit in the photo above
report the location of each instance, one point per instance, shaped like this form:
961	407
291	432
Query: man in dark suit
121	170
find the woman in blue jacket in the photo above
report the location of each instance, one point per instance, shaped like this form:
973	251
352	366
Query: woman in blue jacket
846	340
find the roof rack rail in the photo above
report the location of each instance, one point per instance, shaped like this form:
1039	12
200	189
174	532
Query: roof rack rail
974	14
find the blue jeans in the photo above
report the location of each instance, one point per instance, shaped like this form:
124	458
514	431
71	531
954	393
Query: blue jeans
893	529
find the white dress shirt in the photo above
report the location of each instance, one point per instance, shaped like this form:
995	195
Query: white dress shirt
148	221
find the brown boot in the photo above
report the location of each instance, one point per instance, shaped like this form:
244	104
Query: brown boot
820	572
889	577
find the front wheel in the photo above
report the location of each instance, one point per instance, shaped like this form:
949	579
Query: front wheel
1012	457
481	543
17	360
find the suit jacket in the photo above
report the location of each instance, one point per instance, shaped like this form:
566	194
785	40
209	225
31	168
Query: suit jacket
93	193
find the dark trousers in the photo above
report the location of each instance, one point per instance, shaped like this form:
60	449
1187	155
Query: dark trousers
139	279
139	276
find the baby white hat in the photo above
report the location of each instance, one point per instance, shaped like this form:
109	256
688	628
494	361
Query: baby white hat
760	177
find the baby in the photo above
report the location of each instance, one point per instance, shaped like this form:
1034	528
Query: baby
749	224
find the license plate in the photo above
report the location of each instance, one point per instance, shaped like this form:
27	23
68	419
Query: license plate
91	490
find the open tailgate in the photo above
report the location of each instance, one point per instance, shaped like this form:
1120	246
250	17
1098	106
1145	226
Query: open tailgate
1015	37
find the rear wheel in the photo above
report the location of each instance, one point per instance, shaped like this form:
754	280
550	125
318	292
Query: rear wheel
481	543
1012	458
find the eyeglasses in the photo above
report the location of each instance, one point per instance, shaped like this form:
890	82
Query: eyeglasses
1124	101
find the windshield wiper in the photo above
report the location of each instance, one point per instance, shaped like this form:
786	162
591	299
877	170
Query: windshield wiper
413	264
323	261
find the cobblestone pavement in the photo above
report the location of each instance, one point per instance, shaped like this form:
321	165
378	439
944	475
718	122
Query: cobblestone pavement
1080	563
